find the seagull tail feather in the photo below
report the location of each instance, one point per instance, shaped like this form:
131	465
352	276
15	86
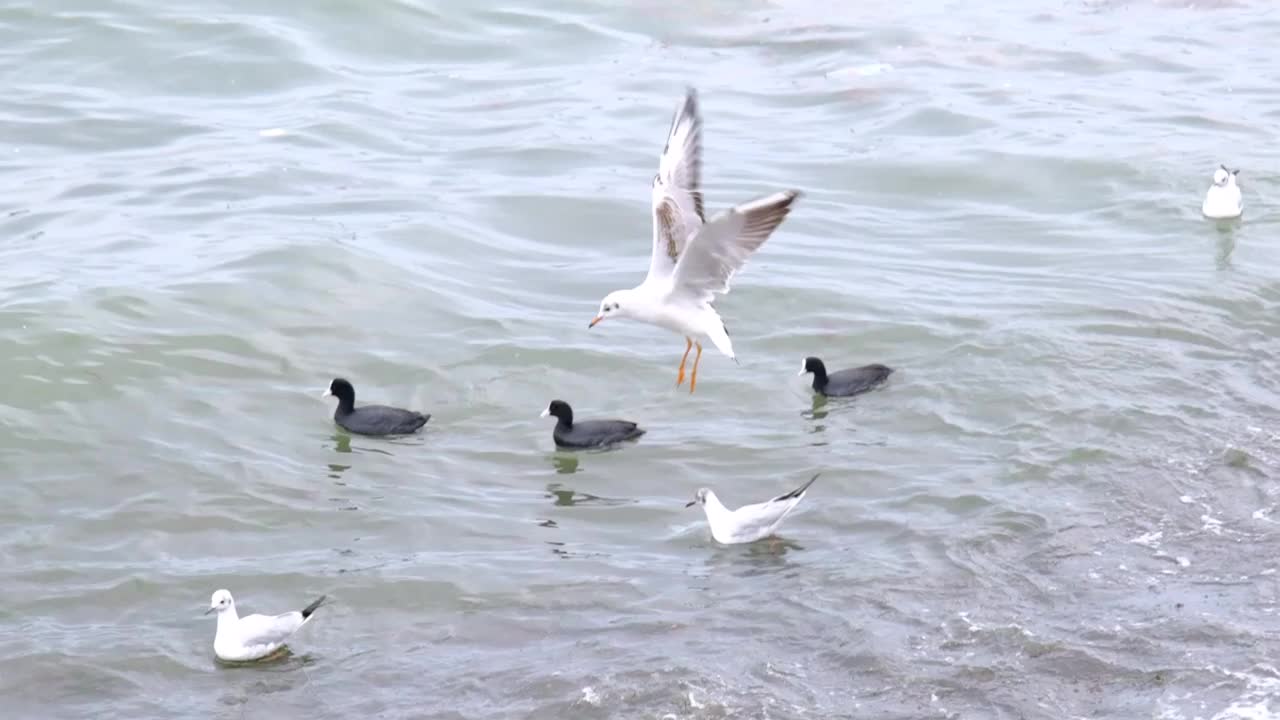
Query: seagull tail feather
308	610
798	492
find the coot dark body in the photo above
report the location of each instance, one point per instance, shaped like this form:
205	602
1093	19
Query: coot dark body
844	383
371	419
588	433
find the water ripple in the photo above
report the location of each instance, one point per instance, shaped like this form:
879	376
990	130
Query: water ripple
214	208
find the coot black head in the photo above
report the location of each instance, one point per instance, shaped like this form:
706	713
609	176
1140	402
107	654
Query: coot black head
813	365
345	393
560	410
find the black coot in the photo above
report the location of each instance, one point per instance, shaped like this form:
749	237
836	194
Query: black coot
371	419
853	381
587	433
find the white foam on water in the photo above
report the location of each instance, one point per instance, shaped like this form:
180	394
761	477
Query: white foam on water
859	71
694	702
1151	539
1211	524
1260	700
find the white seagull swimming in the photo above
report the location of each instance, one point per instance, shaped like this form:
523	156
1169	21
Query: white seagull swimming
253	637
1223	200
692	259
749	522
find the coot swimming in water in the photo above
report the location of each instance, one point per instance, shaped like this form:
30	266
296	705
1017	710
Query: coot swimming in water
853	381
588	433
371	419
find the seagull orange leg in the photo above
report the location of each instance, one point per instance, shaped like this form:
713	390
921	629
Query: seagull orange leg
693	381
688	345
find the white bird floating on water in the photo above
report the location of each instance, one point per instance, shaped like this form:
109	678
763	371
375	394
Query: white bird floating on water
253	637
1223	200
749	522
692	260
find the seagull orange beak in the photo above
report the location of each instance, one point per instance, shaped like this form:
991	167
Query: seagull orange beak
595	320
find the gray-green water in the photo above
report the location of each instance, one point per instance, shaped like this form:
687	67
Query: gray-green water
1062	506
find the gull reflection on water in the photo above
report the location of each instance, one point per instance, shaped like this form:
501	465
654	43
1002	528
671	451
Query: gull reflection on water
762	557
1226	245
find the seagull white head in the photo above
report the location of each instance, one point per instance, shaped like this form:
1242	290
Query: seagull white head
220	602
700	498
1224	176
619	303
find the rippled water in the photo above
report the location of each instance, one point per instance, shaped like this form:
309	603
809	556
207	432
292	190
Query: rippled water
1063	505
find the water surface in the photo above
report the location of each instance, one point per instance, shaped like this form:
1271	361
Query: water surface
1061	506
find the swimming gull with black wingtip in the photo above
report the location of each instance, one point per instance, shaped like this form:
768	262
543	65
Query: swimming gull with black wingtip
749	522
1223	200
253	637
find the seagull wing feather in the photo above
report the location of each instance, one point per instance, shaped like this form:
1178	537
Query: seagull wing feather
268	629
723	245
758	519
677	195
